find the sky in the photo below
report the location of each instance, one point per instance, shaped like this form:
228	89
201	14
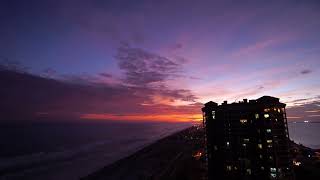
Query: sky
156	60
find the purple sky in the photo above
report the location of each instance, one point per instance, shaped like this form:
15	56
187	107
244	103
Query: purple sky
170	54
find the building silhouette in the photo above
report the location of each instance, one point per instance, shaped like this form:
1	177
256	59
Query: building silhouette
247	140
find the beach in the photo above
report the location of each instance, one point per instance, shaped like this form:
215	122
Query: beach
177	156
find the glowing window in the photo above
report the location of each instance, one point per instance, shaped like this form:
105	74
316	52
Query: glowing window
244	145
260	146
243	121
229	168
273	170
269	141
270	157
266	110
246	140
266	115
268	130
213	114
228	143
257	116
249	171
279	110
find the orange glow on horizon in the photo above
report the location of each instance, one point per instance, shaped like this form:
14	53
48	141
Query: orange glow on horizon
147	117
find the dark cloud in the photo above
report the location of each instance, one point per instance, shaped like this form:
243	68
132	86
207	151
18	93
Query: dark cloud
106	75
297	100
13	65
142	67
143	90
305	71
28	97
49	72
306	110
195	78
181	94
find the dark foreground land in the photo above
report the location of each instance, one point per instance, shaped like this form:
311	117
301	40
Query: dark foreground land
175	157
181	156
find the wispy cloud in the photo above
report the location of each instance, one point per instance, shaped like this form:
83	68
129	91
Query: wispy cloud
306	71
143	68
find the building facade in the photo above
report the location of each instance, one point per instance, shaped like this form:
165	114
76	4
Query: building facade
247	140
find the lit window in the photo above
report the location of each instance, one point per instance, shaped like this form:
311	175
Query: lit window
246	140
269	145
229	168
273	175
243	121
249	171
228	143
296	163
266	110
279	110
270	157
268	130
257	116
266	115
260	146
273	170
269	141
213	115
244	145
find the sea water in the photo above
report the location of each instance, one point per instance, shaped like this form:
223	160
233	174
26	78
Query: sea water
61	151
305	133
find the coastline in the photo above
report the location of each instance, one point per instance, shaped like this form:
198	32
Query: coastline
172	157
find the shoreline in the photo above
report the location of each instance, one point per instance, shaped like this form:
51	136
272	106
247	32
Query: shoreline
167	158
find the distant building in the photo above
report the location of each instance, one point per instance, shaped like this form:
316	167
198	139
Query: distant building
247	140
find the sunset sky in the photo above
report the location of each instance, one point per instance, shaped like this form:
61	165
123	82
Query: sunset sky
156	60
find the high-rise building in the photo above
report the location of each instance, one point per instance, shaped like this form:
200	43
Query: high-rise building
247	140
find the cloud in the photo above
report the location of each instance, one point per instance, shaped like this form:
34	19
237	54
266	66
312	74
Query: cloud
306	111
142	68
30	97
106	75
305	71
49	72
13	65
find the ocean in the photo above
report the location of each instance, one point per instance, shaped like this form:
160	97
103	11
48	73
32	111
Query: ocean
307	134
67	151
58	151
